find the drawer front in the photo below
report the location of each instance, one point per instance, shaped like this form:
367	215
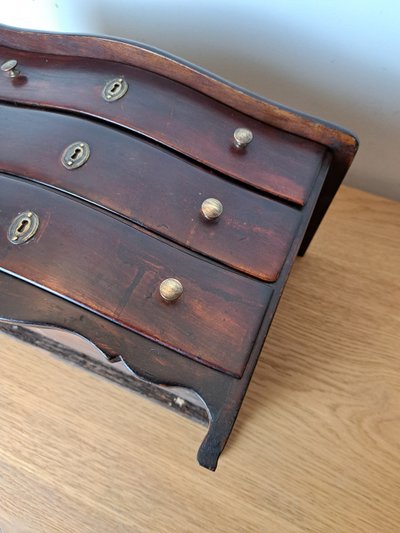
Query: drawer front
152	187
105	265
173	114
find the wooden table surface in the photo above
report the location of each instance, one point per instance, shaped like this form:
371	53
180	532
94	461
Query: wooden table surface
317	443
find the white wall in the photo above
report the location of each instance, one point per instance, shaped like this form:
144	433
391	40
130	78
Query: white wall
337	59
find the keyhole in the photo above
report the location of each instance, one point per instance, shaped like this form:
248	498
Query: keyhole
77	153
115	87
23	226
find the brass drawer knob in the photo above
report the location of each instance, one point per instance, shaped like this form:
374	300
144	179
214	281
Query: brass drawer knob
10	68
242	137
211	208
171	289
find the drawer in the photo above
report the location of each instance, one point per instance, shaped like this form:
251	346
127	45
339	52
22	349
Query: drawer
173	114
107	266
151	187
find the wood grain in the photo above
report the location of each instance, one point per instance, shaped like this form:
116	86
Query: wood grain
316	447
341	144
152	187
173	114
108	267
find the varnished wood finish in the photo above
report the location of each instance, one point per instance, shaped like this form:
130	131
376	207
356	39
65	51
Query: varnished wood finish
315	449
342	143
222	393
151	187
173	114
108	267
295	157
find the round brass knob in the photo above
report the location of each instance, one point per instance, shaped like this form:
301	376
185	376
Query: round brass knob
211	208
171	289
242	137
10	68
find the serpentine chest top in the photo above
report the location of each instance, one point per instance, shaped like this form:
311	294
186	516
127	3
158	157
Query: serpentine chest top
154	208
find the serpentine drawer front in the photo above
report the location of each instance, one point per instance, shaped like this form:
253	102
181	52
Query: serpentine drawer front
176	115
215	320
131	177
154	209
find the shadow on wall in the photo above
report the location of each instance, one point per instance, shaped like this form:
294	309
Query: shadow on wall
335	60
313	77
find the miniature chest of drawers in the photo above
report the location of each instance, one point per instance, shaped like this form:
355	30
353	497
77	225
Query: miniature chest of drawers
154	209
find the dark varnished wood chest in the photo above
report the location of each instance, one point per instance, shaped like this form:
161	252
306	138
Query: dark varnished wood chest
154	209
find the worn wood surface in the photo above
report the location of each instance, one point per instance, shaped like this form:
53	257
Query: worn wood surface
316	447
341	141
222	393
173	114
83	49
151	186
115	270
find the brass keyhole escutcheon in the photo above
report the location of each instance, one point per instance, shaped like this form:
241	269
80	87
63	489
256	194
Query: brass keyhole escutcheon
115	89
23	227
75	155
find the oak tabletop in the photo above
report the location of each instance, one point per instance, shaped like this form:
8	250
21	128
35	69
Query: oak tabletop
317	444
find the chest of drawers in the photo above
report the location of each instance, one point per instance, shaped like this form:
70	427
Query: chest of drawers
154	209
